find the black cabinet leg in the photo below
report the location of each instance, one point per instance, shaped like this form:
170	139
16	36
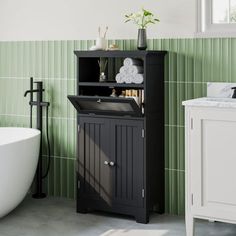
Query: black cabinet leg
160	209
142	218
82	210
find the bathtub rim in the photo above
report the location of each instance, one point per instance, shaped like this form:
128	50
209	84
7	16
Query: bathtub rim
35	133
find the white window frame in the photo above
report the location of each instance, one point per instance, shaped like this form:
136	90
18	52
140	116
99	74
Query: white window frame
205	26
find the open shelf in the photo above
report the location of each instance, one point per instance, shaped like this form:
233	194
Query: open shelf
111	85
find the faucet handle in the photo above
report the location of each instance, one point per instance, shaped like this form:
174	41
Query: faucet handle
38	82
31	83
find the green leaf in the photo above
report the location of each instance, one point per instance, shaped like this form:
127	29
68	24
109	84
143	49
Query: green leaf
141	19
147	13
128	15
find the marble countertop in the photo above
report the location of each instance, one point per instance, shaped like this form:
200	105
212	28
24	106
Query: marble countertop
211	102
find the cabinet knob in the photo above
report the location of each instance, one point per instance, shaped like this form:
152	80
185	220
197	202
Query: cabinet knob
111	163
106	163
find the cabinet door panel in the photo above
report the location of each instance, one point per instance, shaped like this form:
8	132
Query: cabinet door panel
213	162
127	152
93	152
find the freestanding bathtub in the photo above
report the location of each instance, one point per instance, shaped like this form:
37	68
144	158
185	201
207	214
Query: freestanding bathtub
19	150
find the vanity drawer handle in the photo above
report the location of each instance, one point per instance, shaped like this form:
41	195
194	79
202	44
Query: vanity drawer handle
106	163
112	163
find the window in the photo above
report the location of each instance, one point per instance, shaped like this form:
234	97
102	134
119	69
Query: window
224	11
217	17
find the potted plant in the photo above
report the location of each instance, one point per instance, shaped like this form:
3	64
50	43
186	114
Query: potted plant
142	19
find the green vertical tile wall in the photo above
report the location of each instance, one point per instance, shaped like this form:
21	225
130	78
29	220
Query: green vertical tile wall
189	64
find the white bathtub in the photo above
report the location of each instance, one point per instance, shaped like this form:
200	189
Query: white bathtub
19	150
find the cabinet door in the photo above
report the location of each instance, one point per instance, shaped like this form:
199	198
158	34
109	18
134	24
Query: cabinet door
93	151
213	162
127	153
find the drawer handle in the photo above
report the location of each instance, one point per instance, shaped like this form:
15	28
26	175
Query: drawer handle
106	163
112	163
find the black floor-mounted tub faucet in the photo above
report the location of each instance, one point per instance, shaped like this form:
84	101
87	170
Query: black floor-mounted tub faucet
39	125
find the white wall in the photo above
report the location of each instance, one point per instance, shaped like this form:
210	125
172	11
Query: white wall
79	19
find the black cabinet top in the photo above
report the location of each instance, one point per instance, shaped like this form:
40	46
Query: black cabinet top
119	53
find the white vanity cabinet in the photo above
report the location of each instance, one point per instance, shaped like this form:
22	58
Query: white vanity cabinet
210	161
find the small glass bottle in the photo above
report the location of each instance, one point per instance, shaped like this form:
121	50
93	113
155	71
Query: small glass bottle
102	77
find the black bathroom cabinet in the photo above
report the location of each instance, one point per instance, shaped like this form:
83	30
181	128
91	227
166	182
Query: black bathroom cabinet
120	143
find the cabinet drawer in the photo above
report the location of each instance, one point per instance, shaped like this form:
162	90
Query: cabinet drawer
106	105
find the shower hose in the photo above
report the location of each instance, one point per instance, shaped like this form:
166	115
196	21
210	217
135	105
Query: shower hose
48	144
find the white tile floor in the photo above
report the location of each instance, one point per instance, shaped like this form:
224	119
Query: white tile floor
57	217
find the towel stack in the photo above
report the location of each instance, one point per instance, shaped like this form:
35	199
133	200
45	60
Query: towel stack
130	72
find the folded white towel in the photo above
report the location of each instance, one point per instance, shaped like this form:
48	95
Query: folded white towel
135	70
130	61
120	78
128	78
124	70
131	70
138	79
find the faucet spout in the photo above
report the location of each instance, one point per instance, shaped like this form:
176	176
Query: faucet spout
26	92
33	91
